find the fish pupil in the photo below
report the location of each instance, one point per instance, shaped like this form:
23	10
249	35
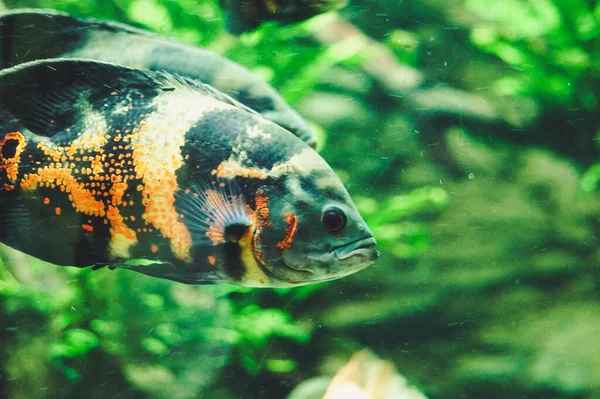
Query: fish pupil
333	219
9	149
235	232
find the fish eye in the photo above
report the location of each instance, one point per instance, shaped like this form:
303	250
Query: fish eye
333	219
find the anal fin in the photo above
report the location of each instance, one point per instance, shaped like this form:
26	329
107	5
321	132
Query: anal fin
166	271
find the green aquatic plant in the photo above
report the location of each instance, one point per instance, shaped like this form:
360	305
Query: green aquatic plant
548	43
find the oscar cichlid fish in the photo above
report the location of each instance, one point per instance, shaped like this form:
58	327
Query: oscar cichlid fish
243	16
29	35
103	165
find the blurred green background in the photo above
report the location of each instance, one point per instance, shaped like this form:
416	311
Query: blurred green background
468	133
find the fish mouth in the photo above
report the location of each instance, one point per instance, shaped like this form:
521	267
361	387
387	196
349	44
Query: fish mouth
364	247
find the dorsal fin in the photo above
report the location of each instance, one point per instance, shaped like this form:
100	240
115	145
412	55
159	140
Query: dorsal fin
48	96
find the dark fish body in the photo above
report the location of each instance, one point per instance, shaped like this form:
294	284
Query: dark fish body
102	164
29	35
247	15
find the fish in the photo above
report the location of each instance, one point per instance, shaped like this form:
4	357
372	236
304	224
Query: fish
244	16
28	35
103	165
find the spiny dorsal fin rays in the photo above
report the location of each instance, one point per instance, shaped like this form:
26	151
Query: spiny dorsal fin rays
214	212
48	96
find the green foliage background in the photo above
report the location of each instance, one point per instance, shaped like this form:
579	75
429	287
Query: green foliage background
487	223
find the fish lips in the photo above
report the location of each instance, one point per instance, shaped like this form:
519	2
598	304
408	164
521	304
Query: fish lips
363	248
350	257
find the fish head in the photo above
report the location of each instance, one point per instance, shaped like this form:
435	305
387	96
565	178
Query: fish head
311	231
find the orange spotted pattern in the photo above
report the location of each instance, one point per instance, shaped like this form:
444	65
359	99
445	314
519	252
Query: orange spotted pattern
290	231
160	184
100	173
225	170
88	172
262	209
11	165
261	215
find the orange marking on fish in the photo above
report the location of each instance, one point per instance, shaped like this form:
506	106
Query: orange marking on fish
11	165
87	228
212	260
262	209
122	237
62	154
260	216
78	170
117	191
82	199
239	171
160	183
290	231
97	164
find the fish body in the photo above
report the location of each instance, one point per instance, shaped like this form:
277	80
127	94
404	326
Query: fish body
243	16
103	165
29	35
